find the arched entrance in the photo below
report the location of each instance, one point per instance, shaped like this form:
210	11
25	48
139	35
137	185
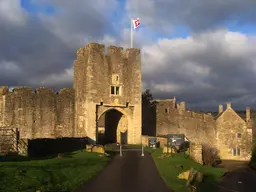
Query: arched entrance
112	127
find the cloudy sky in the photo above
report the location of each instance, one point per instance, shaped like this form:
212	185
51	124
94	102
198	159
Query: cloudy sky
203	52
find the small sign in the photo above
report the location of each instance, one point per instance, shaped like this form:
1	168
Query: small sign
152	142
175	139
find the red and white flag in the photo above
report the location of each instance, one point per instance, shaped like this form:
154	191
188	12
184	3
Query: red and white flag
136	23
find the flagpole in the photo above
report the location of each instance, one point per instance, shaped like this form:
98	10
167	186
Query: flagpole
131	34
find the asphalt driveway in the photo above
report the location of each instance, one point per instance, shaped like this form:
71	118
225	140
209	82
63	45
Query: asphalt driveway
128	173
240	178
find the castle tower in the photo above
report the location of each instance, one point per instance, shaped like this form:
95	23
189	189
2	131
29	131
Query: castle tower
108	86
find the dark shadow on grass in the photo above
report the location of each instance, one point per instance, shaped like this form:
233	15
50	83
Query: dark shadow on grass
209	184
46	147
19	158
42	149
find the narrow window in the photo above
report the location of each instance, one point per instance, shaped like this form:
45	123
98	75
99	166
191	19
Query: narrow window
238	135
112	90
117	90
234	152
238	151
117	78
167	110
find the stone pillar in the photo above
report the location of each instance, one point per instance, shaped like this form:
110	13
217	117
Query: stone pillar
183	106
220	108
248	114
228	105
196	152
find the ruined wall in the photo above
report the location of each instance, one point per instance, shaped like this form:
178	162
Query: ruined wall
228	125
42	114
93	76
172	118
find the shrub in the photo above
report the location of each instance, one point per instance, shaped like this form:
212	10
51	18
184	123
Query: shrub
253	158
210	155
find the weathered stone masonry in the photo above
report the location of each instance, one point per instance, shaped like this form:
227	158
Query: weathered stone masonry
94	74
42	114
228	132
174	118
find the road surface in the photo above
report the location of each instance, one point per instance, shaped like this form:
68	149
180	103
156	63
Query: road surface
128	173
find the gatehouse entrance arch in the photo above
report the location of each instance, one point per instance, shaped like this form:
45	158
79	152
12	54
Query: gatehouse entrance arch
112	125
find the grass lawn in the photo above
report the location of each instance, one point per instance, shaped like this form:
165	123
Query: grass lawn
52	174
169	169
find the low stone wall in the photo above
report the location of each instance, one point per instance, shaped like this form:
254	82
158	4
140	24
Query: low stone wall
195	151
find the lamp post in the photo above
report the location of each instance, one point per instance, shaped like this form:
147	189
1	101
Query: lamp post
120	146
142	149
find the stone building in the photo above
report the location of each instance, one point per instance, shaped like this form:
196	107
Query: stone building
227	132
107	89
105	105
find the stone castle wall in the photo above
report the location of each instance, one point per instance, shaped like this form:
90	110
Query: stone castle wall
172	118
42	114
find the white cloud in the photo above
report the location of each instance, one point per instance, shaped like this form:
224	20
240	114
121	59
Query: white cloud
66	77
211	65
11	11
197	15
167	87
10	67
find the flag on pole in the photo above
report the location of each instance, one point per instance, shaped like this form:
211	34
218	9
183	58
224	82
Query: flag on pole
136	23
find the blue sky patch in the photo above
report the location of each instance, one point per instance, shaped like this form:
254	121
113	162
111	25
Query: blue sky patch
35	8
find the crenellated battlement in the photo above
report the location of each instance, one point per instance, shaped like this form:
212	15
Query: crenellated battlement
112	51
180	108
44	91
38	114
4	90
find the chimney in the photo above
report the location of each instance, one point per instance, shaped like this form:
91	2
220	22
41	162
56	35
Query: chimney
248	114
228	105
220	108
183	106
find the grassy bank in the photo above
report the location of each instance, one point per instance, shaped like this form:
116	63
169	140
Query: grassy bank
170	168
52	174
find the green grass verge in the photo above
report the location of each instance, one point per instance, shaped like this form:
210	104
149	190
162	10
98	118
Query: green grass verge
53	174
169	169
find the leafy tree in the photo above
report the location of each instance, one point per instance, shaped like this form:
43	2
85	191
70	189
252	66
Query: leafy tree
148	114
147	99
